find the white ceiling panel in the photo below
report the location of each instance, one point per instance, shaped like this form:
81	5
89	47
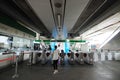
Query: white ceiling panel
72	12
43	10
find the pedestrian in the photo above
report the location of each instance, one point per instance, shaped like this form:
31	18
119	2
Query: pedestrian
55	58
62	54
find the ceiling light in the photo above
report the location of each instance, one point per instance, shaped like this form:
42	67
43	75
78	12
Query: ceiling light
59	19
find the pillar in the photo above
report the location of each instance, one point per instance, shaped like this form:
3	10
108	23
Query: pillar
37	36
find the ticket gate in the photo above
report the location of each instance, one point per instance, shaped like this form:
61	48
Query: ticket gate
88	58
34	57
43	57
77	57
62	58
81	56
71	58
91	58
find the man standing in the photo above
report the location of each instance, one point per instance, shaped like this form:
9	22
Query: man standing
55	57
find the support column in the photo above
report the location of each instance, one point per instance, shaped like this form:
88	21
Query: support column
37	36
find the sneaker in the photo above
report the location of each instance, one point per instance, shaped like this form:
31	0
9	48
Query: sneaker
55	71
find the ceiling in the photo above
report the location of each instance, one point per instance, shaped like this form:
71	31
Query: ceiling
73	10
42	8
102	33
42	16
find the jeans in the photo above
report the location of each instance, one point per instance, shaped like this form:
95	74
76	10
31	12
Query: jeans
55	62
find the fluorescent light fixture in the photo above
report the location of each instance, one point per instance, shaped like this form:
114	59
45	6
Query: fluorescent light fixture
67	40
53	39
59	18
35	42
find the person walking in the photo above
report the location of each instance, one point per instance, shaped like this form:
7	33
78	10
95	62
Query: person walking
55	57
62	55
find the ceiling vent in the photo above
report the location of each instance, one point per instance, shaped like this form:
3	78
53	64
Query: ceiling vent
58	5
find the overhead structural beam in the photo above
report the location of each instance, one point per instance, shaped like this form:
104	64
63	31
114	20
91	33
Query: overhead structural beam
103	28
113	9
10	9
77	30
21	11
4	19
27	9
110	37
58	10
93	10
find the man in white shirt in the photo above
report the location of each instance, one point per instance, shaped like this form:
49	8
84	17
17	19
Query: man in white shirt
55	57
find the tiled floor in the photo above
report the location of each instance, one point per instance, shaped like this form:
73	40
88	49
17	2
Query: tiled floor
107	70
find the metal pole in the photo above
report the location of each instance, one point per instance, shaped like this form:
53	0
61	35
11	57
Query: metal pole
16	69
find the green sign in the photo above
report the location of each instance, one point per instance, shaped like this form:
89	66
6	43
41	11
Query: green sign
72	41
